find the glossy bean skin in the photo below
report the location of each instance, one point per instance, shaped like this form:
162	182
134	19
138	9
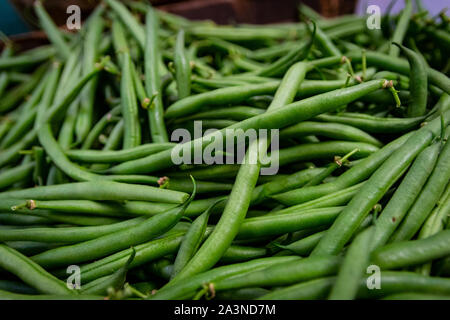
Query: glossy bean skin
31	273
188	288
114	242
95	156
291	272
374	124
411	186
284	223
94	28
152	80
182	67
146	252
401	28
222	96
353	267
109	190
401	66
13	175
52	30
192	240
406	253
356	174
66	235
323	150
132	128
403	281
431	192
373	190
288	115
309	290
127	19
418	82
330	130
115	281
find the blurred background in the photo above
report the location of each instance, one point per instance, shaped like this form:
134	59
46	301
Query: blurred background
17	17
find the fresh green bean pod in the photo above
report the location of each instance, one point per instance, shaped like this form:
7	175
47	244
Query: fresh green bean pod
405	195
425	202
418	82
98	190
374	189
31	273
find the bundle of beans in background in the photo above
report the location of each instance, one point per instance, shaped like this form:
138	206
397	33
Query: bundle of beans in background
88	182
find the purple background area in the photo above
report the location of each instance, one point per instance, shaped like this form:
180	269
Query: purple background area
433	6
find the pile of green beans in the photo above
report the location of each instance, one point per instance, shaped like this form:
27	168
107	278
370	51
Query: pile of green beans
88	180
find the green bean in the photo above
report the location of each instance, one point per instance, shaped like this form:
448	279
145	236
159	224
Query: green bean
16	287
286	116
28	58
303	246
401	66
244	34
188	287
56	153
401	28
5	77
406	253
373	190
330	130
66	235
232	113
10	100
115	138
145	253
117	156
48	94
132	128
239	200
326	44
52	30
353	267
281	184
338	198
100	126
405	195
321	150
397	282
237	253
374	124
182	67
418	82
279	224
5	295
13	175
114	242
127	19
22	219
94	27
115	281
192	240
152	78
221	96
277	275
40	166
308	290
431	192
98	190
31	273
66	134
